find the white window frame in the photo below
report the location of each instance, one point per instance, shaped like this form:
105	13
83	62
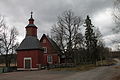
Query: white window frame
28	58
45	49
50	58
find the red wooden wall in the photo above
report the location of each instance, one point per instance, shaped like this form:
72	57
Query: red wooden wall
50	51
35	55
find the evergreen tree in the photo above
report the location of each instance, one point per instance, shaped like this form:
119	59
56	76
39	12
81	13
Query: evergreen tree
91	41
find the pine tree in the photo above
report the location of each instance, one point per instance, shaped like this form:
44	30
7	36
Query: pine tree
91	41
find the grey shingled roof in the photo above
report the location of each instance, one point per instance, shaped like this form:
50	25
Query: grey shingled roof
54	44
30	25
30	43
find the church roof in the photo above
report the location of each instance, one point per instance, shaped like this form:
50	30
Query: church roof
29	43
31	25
54	44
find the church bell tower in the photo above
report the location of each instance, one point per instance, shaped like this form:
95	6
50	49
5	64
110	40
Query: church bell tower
31	29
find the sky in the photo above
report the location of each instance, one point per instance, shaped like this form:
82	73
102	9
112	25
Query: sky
45	12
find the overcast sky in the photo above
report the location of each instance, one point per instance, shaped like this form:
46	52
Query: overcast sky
17	13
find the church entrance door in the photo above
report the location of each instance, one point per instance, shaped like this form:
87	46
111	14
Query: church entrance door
27	63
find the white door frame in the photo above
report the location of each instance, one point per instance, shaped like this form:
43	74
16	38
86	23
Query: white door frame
28	58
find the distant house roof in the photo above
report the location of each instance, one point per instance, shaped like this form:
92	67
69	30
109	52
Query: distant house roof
29	43
54	45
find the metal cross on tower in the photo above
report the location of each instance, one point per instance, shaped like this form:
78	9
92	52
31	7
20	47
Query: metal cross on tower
31	14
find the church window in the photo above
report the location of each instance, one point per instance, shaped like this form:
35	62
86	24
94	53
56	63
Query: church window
49	59
45	49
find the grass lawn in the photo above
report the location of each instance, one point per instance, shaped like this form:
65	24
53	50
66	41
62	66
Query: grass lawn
106	62
86	67
117	67
116	77
3	65
78	68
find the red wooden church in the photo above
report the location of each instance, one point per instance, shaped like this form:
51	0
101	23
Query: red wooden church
33	52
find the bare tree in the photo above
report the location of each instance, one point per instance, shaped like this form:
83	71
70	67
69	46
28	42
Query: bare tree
8	43
101	49
1	27
116	15
1	23
66	31
116	18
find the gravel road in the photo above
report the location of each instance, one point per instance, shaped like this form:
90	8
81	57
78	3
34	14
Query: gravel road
100	73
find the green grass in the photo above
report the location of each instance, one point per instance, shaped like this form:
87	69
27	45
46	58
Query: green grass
106	62
116	77
117	67
1	67
86	67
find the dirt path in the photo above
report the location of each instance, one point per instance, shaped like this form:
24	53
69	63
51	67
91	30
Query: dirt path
35	75
101	73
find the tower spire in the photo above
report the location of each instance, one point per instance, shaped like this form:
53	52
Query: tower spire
31	14
31	29
31	20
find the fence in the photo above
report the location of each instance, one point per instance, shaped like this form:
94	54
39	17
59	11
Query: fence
59	65
8	69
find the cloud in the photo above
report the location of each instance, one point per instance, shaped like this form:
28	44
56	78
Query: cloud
46	11
104	21
112	40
